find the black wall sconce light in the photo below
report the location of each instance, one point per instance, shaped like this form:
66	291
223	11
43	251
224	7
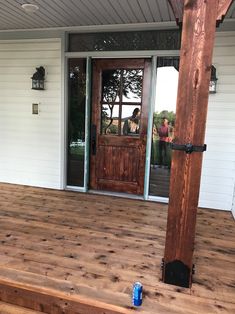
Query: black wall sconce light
38	79
213	81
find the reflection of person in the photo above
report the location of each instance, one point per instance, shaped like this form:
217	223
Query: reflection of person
154	153
164	139
131	126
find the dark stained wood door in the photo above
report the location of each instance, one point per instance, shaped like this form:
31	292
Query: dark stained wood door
119	124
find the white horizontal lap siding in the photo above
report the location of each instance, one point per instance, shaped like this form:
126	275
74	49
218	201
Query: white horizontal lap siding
218	172
30	144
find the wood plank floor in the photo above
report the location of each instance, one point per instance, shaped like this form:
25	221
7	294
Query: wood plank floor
68	252
159	182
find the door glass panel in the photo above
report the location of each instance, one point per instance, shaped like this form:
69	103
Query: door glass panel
132	85
109	115
163	130
131	119
76	121
111	86
121	101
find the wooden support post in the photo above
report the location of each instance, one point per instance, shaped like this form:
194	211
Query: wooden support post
199	24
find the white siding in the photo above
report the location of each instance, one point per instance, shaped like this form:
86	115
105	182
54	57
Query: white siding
218	174
30	144
233	205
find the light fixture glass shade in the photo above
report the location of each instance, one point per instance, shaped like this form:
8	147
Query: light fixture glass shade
38	84
212	87
29	7
213	81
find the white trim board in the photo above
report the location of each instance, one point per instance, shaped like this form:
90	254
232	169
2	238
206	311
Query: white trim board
101	28
123	54
227	25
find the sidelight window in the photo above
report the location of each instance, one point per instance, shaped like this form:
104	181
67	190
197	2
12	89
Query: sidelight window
76	121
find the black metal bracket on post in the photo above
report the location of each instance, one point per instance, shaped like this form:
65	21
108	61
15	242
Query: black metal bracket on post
177	273
188	148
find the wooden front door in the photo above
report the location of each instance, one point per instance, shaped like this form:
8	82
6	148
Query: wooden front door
119	124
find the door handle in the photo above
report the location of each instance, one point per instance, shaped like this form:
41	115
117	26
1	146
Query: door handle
93	139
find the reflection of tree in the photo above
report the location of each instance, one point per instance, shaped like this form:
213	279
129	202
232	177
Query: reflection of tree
107	126
132	83
157	117
110	92
111	106
118	83
111	85
77	90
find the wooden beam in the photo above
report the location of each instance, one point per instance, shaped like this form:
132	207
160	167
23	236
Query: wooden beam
199	24
223	8
178	9
52	302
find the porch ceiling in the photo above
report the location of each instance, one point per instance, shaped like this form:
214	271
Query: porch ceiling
64	13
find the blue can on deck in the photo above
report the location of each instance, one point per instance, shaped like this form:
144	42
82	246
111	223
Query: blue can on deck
137	294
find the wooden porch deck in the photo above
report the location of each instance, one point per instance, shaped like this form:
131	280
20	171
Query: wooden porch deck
67	252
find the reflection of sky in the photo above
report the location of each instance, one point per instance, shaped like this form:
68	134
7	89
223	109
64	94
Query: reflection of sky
166	89
115	110
132	97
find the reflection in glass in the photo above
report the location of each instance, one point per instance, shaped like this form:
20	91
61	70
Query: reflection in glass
76	122
163	130
111	86
130	120
109	115
125	40
132	85
121	101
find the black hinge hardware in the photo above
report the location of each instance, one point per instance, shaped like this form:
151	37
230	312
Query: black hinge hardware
188	148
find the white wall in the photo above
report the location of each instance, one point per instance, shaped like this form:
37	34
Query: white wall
30	144
233	205
218	174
